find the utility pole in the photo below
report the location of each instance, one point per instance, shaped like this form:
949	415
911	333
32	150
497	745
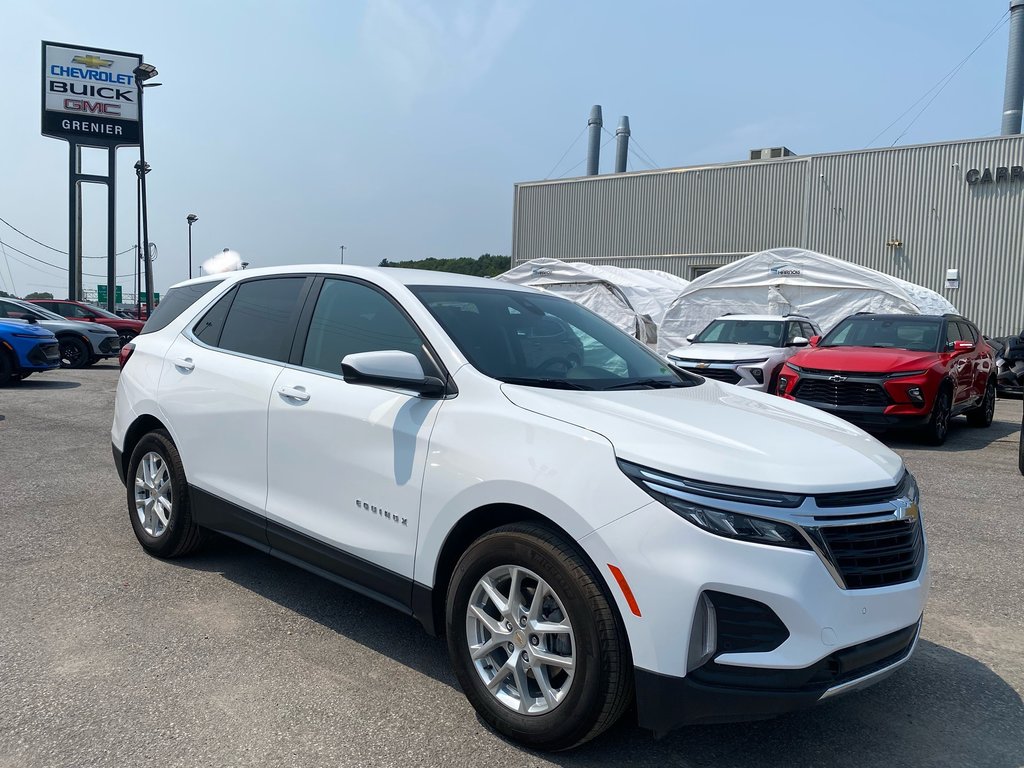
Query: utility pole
342	253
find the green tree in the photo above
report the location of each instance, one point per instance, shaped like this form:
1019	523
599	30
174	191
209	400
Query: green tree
6	295
487	265
38	295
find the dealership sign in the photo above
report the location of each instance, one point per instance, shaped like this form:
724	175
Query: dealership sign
90	95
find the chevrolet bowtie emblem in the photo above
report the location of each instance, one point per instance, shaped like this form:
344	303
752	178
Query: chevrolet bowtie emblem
905	509
92	61
703	365
837	378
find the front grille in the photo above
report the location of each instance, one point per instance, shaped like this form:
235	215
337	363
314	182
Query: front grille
861	498
45	354
110	344
841	393
876	554
728	375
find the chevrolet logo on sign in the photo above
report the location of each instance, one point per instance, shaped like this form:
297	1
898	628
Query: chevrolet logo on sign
94	62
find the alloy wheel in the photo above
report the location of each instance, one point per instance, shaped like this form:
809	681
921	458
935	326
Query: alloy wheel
153	495
521	640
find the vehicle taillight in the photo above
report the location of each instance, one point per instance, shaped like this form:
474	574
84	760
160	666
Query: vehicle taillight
125	353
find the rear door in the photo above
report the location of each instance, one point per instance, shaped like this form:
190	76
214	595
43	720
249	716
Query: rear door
961	363
346	461
215	387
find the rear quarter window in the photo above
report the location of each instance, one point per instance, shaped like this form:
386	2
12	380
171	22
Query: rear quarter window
175	302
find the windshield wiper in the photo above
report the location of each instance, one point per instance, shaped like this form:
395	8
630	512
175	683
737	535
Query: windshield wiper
549	383
648	384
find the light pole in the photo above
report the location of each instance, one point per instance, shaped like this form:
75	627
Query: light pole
191	219
140	171
142	73
342	253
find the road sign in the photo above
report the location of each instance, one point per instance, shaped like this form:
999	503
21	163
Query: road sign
101	294
156	297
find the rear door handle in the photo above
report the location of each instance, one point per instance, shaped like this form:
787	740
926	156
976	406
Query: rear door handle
185	363
294	393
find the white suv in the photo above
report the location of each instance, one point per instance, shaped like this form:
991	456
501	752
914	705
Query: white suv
747	350
586	532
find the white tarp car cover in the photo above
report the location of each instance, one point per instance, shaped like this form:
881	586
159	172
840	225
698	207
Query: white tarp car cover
621	296
785	281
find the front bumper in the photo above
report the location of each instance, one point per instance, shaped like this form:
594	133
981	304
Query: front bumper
720	694
752	375
42	357
108	346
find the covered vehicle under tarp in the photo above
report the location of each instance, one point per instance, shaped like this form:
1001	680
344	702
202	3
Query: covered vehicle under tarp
784	281
634	300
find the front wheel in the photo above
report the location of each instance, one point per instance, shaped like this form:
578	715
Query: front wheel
126	336
536	645
984	412
6	368
158	500
937	428
74	353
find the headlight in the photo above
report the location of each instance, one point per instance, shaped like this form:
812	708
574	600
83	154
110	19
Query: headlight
731	525
904	374
910	489
36	336
796	368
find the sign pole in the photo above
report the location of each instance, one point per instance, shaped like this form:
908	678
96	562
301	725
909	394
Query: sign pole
111	228
72	221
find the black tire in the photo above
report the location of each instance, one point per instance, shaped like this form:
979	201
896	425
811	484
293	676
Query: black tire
181	535
126	336
982	415
74	353
602	686
25	374
936	430
6	368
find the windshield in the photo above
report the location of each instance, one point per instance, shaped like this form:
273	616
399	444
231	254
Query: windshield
917	334
34	310
544	341
104	313
766	333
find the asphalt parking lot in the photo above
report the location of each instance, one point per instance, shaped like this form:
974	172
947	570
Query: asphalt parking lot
109	657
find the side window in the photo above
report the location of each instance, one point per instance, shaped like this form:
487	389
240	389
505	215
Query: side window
175	302
807	330
261	319
209	328
73	311
792	331
352	317
969	332
952	333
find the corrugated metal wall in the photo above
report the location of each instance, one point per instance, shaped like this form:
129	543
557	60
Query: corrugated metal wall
847	205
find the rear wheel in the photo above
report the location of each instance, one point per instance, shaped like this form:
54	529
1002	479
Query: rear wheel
982	415
74	353
158	500
126	336
536	645
937	428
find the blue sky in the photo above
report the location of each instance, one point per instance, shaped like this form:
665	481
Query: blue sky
398	128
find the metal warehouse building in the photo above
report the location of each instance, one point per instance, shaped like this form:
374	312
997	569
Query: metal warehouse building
915	212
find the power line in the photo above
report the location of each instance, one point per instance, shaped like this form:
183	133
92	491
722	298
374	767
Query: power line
567	150
943	82
10	274
52	266
57	250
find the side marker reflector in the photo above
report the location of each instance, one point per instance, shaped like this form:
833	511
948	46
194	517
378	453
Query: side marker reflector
626	591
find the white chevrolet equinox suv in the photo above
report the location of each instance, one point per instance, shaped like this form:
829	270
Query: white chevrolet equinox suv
586	532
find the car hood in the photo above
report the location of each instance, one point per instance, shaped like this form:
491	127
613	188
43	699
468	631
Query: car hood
724	434
726	352
13	325
863	359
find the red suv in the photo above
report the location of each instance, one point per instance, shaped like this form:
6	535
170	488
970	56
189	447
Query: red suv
881	371
126	328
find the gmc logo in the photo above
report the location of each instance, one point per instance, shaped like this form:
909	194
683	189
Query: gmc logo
95	107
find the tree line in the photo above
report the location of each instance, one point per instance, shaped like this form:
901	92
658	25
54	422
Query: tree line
487	265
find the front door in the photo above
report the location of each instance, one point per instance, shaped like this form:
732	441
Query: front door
346	461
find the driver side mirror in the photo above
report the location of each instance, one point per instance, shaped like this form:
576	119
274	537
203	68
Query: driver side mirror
691	337
799	341
963	346
393	369
814	340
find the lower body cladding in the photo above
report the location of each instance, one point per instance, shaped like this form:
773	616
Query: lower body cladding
730	631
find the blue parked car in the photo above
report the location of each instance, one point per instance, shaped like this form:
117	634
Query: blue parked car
24	349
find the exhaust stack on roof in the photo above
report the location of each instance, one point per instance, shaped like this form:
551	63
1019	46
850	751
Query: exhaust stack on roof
594	145
622	143
1013	97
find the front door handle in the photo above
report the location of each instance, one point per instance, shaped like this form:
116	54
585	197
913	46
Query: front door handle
294	393
185	363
